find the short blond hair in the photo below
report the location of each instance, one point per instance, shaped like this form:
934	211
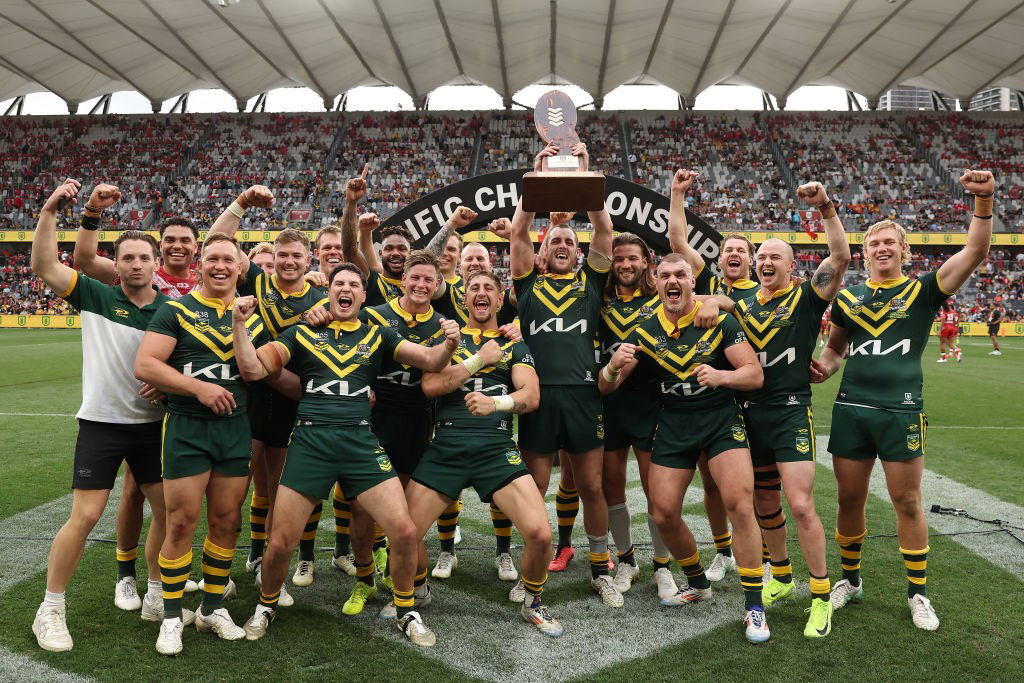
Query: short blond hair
901	235
261	248
328	230
290	235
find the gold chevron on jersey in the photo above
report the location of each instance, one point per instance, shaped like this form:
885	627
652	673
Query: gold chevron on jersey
389	289
620	324
478	336
718	285
222	345
861	314
680	366
547	294
752	327
276	323
340	363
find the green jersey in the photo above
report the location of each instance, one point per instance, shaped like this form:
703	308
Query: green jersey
670	352
887	324
381	289
737	291
492	380
279	309
336	365
205	348
783	331
619	317
559	316
397	385
704	280
452	304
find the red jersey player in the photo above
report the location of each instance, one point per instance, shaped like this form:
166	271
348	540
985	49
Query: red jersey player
949	317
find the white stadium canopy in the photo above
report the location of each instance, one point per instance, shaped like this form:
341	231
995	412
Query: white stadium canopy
79	49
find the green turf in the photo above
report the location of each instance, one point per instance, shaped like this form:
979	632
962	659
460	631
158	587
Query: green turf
874	640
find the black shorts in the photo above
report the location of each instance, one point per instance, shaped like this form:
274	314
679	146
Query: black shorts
102	446
271	416
993	329
404	437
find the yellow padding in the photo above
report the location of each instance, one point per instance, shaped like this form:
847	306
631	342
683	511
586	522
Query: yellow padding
692	559
846	540
916	552
754	573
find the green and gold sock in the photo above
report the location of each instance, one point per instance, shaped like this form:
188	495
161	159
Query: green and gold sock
365	572
694	571
567	507
446	524
723	544
259	507
307	541
173	575
502	530
216	572
126	562
916	562
629	557
750	579
782	571
850	549
534	589
403	602
820	587
342	522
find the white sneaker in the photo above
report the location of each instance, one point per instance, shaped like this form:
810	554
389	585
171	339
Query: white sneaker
844	592
686	596
415	630
153	610
389	611
518	592
303	575
506	568
253	566
995	353
542	619
229	591
625	575
922	612
169	641
719	567
191	586
756	626
941	360
51	628
258	623
605	589
346	563
285	599
220	622
126	594
458	534
666	583
446	563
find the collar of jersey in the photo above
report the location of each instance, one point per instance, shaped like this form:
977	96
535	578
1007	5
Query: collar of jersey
673	328
566	276
629	297
213	303
344	326
479	335
775	295
273	281
411	318
886	284
742	283
385	278
453	279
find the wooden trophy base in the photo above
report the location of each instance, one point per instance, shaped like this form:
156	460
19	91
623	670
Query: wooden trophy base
547	191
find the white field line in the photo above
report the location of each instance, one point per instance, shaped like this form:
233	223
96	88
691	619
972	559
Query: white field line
18	668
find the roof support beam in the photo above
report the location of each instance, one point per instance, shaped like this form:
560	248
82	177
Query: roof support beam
871	34
657	36
764	34
344	35
599	95
180	105
711	50
506	94
245	39
103	103
952	22
448	36
819	47
984	29
172	32
13	69
552	55
1012	68
85	47
291	47
16	105
416	98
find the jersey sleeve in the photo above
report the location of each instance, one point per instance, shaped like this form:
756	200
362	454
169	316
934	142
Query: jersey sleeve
817	303
732	333
838	318
390	341
524	284
257	330
931	288
521	355
86	294
596	278
248	288
165	321
702	280
286	339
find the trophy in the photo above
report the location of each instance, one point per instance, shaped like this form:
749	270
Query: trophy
561	184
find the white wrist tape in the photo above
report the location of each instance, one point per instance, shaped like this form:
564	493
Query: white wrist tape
474	363
609	374
504	404
236	209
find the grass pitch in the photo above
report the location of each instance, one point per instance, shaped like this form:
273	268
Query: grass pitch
974	414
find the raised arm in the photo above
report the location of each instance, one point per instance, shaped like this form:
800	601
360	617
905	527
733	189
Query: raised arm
86	259
678	228
460	218
369	222
828	277
45	261
436	384
231	217
151	367
958	267
746	376
600	253
433	358
253	364
355	190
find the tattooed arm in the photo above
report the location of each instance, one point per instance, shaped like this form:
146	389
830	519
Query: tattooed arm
828	278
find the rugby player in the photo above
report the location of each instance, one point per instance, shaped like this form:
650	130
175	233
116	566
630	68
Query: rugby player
332	441
781	321
263	256
560	313
949	317
175	277
118	420
187	353
491	378
885	324
691	370
996	313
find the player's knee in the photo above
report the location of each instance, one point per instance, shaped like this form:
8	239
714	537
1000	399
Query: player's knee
403	534
850	499
803	510
590	489
224	522
279	545
536	534
907	503
181	525
740	507
766	501
85	518
663	516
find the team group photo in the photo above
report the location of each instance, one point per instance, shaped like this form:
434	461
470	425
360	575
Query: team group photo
513	359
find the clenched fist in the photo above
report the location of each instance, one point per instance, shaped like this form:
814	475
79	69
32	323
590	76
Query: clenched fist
368	222
452	334
490	352
461	217
502	227
257	195
103	197
978	182
708	376
479	404
683	179
623	356
813	194
66	192
243	308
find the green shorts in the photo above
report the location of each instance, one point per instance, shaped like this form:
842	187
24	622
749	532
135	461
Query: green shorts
457	459
271	414
630	417
569	418
681	437
193	445
319	455
780	434
404	437
860	433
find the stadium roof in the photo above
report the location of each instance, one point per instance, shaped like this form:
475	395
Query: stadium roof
79	49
